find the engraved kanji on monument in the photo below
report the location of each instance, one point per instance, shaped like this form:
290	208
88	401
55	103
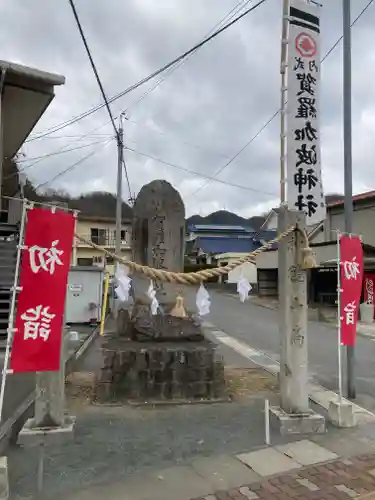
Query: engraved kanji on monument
159	242
158	238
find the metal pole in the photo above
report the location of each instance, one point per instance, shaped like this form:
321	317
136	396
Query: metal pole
339	317
104	305
348	188
12	311
40	474
283	71
120	150
267	421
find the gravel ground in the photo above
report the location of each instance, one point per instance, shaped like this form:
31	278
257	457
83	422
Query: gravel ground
112	442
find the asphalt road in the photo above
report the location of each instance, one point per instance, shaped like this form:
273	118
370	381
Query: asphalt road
258	327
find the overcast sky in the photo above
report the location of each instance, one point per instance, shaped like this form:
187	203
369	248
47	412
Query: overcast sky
203	113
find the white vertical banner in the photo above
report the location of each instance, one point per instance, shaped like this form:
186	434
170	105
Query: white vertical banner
304	177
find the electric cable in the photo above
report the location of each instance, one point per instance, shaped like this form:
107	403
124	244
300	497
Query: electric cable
278	111
150	76
74	165
199	174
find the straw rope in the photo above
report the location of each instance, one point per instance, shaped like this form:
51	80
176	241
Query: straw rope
191	278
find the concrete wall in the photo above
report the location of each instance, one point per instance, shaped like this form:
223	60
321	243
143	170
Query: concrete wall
269	260
363	222
83	228
249	271
84	251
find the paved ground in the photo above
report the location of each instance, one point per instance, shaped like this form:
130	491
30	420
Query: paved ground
114	443
258	327
337	480
184	452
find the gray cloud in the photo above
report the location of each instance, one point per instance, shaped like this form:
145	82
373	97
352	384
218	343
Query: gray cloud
203	113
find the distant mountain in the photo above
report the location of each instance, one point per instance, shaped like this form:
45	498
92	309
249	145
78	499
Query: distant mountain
226	218
96	204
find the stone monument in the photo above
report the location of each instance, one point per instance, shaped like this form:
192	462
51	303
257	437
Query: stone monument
163	356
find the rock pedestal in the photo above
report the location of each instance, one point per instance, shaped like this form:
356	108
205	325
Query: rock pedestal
156	372
155	358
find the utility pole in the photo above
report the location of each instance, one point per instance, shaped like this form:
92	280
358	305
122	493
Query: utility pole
120	153
348	181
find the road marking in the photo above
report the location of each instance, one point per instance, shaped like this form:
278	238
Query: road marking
317	393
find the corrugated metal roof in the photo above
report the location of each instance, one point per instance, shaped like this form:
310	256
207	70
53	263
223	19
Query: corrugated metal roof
212	245
357	197
219	227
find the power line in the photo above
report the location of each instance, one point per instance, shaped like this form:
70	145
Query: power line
74	165
59	152
187	143
93	66
278	111
117	133
149	77
199	174
235	10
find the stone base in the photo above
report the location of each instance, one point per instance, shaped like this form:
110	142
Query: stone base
4	479
39	435
341	414
153	371
144	326
294	423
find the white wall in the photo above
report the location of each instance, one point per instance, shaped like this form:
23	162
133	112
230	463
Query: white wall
249	271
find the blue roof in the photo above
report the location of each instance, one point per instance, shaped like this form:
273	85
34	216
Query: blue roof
267	234
212	245
219	228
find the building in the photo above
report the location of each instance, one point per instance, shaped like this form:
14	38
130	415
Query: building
322	282
248	269
25	95
205	241
216	230
102	232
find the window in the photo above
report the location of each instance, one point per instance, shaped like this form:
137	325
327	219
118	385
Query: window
99	236
84	261
122	234
109	260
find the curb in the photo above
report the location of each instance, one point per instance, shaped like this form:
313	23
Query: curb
317	393
329	324
360	333
10	427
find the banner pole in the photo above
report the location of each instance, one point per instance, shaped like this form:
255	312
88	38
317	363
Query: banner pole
283	97
339	352
104	305
13	306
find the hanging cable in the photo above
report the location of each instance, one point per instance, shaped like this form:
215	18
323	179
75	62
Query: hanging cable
149	77
74	165
93	66
278	111
235	10
199	174
119	139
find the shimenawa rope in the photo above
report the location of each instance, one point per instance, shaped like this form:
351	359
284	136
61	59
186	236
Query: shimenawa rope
193	278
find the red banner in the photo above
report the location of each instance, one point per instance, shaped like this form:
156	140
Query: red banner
351	275
41	301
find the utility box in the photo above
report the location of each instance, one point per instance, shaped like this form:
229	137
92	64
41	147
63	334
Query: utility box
84	295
